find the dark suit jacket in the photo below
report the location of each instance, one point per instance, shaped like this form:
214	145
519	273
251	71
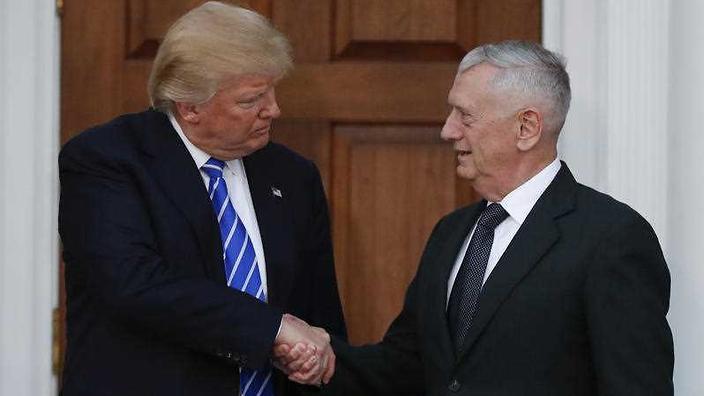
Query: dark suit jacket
148	309
576	306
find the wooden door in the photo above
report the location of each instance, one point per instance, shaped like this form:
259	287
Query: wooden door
366	101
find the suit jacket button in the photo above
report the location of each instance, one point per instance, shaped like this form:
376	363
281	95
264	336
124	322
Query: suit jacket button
454	385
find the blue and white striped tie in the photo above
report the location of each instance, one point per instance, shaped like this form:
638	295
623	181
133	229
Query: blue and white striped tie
241	268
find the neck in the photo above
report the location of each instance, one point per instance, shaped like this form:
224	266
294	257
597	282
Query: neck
516	177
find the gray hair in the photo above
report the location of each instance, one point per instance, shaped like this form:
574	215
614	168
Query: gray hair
530	70
210	44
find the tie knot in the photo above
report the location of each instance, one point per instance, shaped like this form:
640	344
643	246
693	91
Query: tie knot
213	168
492	216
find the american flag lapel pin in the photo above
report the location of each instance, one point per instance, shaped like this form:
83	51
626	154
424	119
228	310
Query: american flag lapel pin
276	192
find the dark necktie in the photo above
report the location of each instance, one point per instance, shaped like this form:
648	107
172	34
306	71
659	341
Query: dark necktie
464	298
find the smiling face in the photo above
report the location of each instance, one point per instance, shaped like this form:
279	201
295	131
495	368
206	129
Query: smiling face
236	121
484	131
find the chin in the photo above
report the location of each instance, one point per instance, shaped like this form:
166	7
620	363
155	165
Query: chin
261	142
467	174
257	144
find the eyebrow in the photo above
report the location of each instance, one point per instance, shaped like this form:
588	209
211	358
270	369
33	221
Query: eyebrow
465	111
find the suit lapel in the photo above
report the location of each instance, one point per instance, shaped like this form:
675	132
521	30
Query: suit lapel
269	203
174	170
446	260
536	236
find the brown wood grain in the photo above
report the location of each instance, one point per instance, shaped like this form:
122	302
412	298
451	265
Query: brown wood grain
310	138
312	43
92	49
403	20
508	19
399	180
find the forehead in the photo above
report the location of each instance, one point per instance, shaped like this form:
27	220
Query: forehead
247	82
472	85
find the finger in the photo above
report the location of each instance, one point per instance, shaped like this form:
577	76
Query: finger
310	378
330	369
309	364
295	353
282	367
303	366
312	375
298	355
281	350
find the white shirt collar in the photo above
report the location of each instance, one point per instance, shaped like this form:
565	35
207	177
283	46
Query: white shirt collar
200	157
519	202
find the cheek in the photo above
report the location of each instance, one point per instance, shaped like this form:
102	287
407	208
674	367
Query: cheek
245	120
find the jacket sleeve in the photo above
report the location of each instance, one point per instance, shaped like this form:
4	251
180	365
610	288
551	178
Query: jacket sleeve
113	261
627	296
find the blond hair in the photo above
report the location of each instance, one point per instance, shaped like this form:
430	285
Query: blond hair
210	44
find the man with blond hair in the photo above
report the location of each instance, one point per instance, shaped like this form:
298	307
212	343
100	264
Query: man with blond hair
188	236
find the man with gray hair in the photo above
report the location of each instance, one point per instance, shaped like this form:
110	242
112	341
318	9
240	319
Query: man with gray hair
545	286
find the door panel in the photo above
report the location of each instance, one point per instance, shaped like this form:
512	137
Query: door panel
366	102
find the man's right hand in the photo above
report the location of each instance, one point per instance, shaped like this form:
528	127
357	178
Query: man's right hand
303	352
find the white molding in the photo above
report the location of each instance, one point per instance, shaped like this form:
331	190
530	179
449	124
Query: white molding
636	83
614	139
573	28
686	193
29	102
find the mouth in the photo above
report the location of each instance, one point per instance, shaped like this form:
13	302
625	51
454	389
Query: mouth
463	153
262	130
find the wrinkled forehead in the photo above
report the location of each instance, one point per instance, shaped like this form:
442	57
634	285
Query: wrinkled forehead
472	84
249	79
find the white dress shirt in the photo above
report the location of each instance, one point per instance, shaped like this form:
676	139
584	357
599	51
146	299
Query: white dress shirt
518	203
238	191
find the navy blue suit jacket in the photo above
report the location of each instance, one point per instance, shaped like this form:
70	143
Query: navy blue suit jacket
148	310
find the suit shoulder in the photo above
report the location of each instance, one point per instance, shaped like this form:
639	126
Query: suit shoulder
114	137
605	209
456	218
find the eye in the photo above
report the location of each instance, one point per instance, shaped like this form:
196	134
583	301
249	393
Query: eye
250	102
466	119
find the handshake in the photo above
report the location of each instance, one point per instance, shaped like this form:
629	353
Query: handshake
303	352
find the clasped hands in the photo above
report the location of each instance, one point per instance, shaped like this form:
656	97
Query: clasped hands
303	352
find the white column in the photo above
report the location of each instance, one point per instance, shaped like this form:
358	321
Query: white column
686	194
29	52
636	83
614	138
575	29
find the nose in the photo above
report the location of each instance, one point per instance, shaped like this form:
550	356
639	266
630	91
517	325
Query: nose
271	107
451	130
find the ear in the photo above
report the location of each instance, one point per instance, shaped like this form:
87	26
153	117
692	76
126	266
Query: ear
188	112
530	123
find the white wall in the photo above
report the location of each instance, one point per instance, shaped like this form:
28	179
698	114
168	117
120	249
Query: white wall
634	132
29	138
614	137
686	193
